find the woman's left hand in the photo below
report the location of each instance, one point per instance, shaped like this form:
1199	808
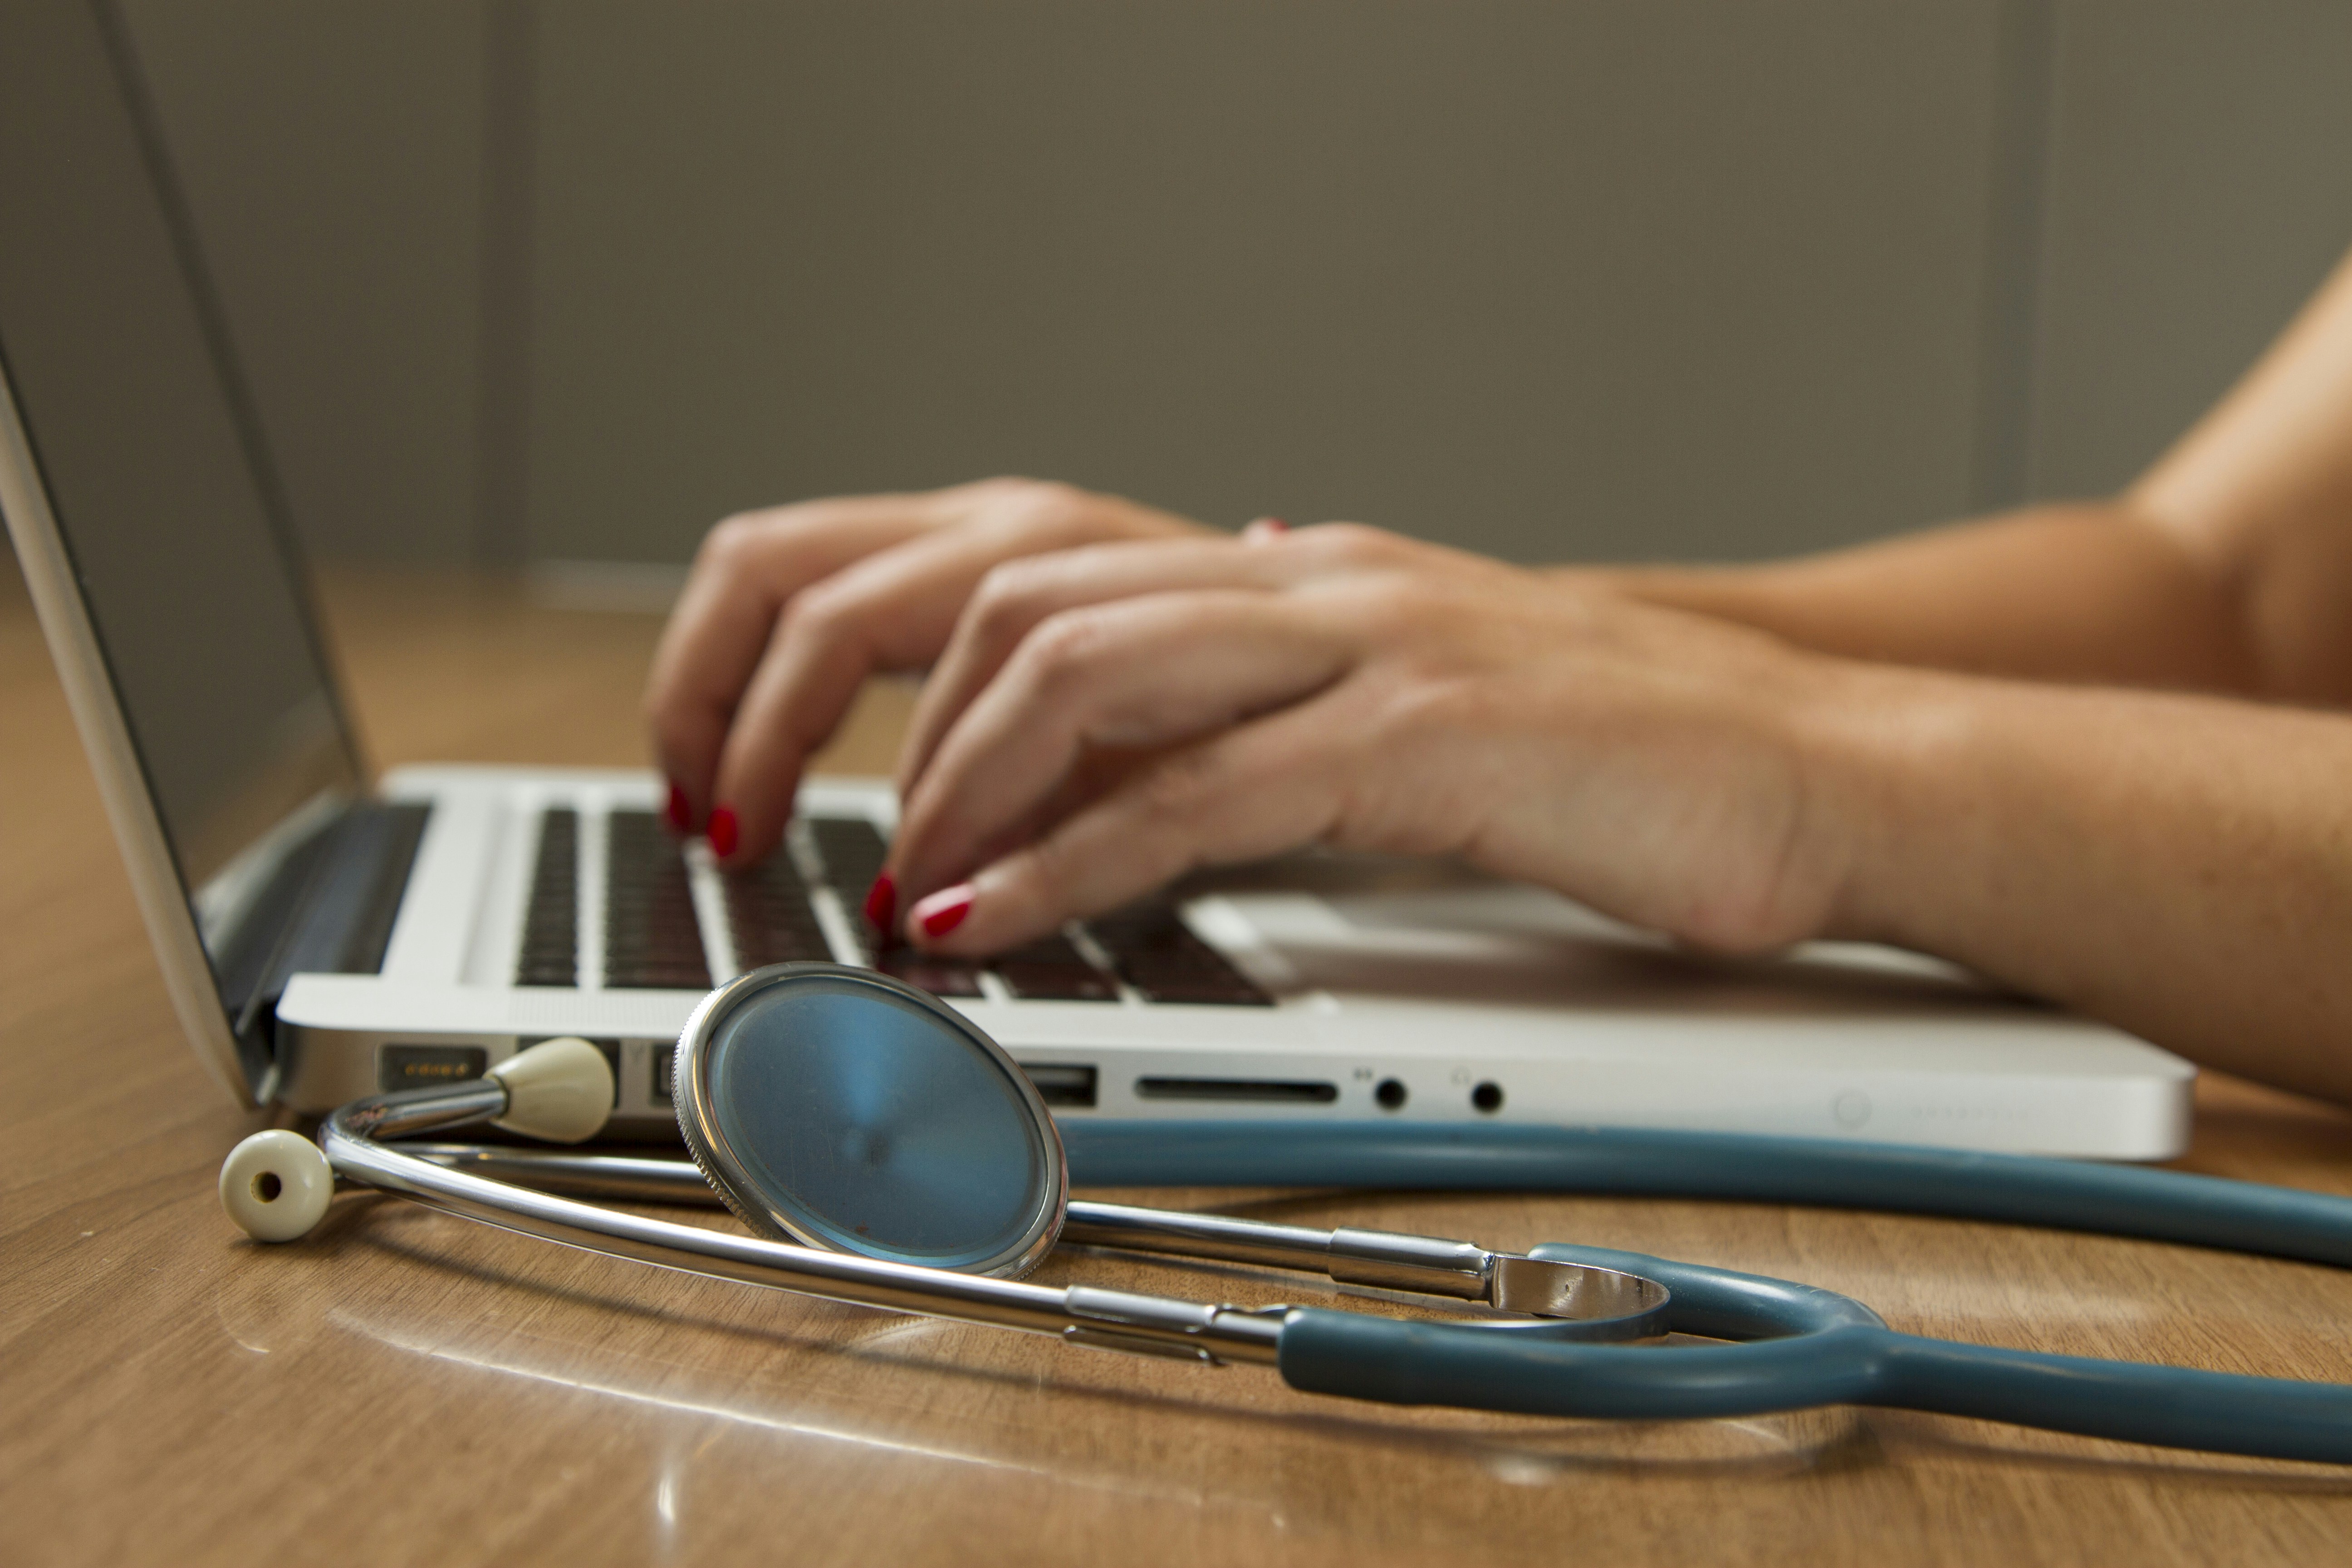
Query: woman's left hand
1107	718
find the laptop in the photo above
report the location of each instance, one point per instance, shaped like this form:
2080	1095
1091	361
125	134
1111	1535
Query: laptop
325	935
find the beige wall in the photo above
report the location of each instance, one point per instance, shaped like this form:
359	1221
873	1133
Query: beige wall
1543	276
2200	186
1540	278
331	151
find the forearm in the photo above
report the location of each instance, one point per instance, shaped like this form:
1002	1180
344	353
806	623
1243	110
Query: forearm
2089	593
2179	865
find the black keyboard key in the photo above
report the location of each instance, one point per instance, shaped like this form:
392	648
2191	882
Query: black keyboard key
852	850
1056	982
1155	951
1223	988
1054	948
939	976
1051	970
653	940
770	916
1148	927
550	952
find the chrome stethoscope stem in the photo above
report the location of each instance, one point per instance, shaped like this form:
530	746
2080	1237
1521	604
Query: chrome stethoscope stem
1427	1266
1110	1319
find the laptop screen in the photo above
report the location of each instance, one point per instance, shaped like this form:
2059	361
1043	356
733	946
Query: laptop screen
153	465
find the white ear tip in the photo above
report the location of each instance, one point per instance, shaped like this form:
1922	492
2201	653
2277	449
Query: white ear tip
276	1185
560	1090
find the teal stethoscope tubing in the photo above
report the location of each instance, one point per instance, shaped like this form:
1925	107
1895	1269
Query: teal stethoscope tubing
1807	1346
2017	1189
1846	1357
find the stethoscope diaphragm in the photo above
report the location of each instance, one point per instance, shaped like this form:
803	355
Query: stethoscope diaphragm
841	1109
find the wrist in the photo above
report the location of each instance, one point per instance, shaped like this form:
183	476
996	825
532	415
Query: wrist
1722	593
1882	752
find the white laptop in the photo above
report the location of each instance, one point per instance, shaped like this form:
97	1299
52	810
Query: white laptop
325	936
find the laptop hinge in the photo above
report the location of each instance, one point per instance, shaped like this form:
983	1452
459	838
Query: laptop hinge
328	908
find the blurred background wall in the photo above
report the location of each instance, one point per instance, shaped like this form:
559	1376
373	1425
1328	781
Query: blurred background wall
523	282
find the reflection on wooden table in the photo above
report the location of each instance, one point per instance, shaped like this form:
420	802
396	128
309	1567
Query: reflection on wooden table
408	1387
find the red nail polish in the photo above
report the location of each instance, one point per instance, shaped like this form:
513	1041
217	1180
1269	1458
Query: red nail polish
942	913
1274	525
882	904
724	831
680	814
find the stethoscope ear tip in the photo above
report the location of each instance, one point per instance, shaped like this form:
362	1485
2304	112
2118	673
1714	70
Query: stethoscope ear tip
559	1091
276	1185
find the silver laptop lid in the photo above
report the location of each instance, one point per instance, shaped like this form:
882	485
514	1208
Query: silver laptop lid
149	522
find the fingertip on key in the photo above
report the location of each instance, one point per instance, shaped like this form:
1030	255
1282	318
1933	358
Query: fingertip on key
678	813
882	903
726	831
943	910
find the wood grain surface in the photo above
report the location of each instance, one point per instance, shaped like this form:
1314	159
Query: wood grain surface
406	1388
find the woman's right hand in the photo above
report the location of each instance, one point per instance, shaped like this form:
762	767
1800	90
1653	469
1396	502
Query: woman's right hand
1108	719
788	610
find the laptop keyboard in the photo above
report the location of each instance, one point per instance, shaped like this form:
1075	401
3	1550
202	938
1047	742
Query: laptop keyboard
851	849
550	937
1052	969
653	937
1155	951
770	918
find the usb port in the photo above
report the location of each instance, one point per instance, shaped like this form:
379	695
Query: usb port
1059	1084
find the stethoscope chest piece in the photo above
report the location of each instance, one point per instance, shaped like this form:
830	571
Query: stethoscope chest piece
840	1108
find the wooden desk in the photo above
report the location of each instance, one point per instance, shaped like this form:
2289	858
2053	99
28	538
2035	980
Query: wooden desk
410	1388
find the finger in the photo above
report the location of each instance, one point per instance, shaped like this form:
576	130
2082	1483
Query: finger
891	611
1146	672
748	569
746	572
1018	595
1269	786
1013	597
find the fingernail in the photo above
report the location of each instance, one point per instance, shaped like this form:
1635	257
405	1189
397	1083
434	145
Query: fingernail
724	831
680	814
882	903
944	910
1265	528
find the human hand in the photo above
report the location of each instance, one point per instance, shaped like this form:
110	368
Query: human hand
1106	718
788	610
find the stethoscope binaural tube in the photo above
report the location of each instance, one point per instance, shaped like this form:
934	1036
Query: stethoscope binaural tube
1577	1301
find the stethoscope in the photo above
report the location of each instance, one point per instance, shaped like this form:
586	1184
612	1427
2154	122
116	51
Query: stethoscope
886	1152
